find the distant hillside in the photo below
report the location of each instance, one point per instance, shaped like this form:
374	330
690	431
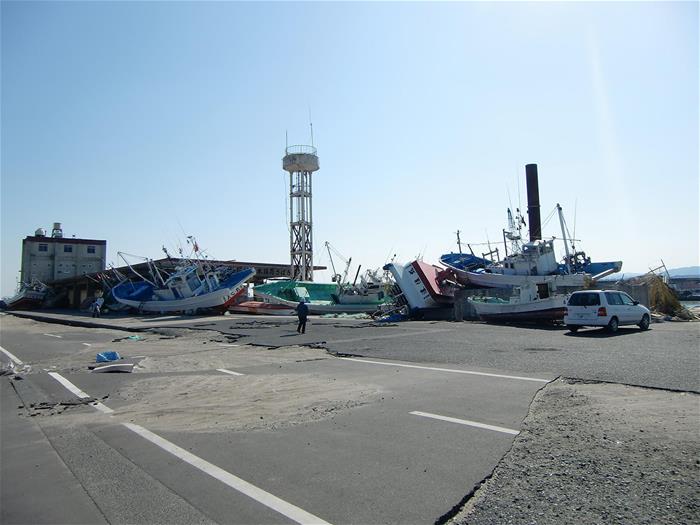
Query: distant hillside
687	271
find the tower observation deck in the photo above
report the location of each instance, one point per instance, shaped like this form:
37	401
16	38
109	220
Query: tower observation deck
300	161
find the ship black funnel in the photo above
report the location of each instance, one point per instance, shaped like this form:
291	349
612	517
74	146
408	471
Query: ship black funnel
533	202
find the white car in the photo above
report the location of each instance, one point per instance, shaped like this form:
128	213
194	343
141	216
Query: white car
609	308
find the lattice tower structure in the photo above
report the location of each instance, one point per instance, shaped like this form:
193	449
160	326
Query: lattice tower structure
300	162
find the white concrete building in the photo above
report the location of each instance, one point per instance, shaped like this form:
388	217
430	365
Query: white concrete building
56	257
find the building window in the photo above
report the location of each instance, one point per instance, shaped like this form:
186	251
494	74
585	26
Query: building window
91	249
67	248
43	247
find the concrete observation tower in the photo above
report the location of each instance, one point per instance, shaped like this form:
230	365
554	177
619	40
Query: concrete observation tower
300	162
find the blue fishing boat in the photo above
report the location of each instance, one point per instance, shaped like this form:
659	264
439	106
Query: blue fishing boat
187	290
194	285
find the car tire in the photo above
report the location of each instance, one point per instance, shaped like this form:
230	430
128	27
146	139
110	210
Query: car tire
613	325
644	323
572	328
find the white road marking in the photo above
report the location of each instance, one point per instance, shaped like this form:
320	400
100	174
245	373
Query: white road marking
229	372
468	423
86	344
292	512
227	344
56	336
286	509
389	336
451	370
75	390
16	360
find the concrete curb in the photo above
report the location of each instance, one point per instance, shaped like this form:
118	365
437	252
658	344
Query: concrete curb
72	322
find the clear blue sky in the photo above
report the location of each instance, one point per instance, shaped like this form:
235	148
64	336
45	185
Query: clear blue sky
140	123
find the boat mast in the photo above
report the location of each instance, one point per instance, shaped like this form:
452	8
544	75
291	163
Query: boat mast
566	242
121	254
335	277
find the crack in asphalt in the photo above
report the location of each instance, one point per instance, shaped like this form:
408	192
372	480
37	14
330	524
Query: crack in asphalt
472	494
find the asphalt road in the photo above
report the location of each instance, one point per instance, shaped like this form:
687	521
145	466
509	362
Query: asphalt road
666	356
453	397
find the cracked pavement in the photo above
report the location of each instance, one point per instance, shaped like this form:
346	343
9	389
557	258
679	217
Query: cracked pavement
561	448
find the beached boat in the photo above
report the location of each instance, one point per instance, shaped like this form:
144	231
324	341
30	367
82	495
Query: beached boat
423	285
28	296
324	298
192	287
526	263
531	302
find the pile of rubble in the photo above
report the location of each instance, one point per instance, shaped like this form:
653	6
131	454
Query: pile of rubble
664	303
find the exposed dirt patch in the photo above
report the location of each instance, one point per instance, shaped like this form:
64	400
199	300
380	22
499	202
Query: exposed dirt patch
223	403
598	453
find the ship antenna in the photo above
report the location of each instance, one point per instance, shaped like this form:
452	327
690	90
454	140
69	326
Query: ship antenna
311	126
573	237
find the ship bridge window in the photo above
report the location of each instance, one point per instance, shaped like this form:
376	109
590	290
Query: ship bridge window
43	247
193	281
91	249
67	248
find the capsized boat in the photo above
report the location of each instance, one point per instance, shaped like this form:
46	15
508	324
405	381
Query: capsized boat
422	285
28	296
324	298
192	287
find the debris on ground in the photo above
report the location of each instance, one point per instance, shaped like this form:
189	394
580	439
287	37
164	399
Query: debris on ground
128	338
105	357
116	367
346	316
392	318
663	301
45	408
7	369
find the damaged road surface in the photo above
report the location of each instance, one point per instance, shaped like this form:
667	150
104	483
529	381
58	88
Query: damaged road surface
227	420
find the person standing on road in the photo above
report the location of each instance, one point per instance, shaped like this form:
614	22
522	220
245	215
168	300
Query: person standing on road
302	313
96	306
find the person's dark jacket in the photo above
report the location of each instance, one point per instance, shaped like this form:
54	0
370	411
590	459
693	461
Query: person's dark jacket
302	310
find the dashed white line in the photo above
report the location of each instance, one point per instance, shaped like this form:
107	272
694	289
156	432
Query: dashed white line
86	344
451	370
263	497
229	372
227	344
52	335
467	422
16	360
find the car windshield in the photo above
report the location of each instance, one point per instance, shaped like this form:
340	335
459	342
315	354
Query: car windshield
584	299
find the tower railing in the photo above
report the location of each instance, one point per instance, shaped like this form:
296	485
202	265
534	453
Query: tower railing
297	149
